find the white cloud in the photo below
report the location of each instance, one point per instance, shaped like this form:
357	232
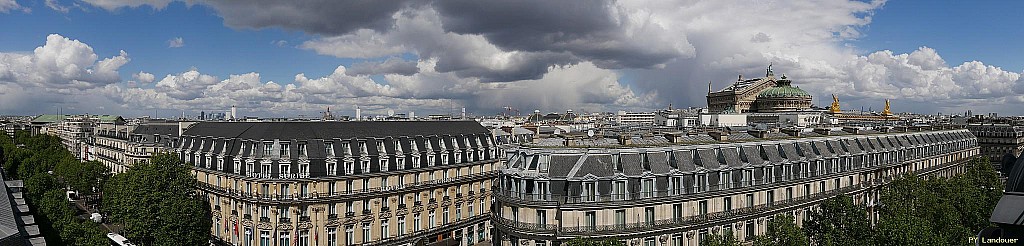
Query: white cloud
176	43
61	64
7	5
111	5
144	77
53	4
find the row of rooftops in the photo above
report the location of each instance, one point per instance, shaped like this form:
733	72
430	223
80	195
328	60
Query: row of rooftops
723	135
316	138
603	162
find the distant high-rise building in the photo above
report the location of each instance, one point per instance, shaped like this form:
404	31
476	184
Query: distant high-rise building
234	112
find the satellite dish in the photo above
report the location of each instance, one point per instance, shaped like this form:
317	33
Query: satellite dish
590	133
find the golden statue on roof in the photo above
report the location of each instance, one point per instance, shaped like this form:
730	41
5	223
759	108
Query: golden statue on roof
886	111
835	105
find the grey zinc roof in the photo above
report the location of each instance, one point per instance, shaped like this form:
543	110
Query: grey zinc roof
329	130
772	152
708	159
752	154
823	149
598	165
1009	210
684	160
807	150
659	162
561	165
731	157
631	164
791	153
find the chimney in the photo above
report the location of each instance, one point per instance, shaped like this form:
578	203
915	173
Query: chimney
854	130
758	133
720	136
791	132
823	131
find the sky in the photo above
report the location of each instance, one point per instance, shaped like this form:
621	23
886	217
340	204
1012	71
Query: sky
292	58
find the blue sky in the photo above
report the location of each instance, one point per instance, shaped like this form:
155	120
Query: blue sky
962	30
424	55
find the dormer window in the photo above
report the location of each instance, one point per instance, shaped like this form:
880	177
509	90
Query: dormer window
302	149
330	148
412	146
345	148
380	147
362	148
284	150
398	147
268	149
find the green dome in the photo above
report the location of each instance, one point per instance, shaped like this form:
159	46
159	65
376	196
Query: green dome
783	89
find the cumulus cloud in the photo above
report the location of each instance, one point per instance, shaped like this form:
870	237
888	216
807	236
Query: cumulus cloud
553	55
143	77
176	42
112	5
61	64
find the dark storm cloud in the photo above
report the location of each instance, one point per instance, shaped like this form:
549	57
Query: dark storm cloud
592	30
326	17
389	66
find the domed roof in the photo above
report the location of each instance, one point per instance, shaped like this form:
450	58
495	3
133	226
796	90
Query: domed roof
783	89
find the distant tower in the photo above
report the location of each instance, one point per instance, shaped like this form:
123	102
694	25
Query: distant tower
234	112
463	113
412	115
202	115
359	113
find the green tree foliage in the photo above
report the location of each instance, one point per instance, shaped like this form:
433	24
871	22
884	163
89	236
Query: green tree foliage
156	203
40	183
593	242
82	176
952	208
839	221
57	209
727	239
908	231
782	231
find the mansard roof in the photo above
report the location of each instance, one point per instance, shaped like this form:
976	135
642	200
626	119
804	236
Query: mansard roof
332	130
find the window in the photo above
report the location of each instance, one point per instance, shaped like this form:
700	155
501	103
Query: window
400	163
282	212
248	168
677	211
303	238
366	232
789	193
365	166
332	209
264	236
430	160
383	164
284	239
362	148
542	217
445	216
285	170
401	226
590	219
589	192
332	168
430	220
416	222
750	200
703	207
304	169
770	197
302	149
620	190
332	236
366	185
284	150
350	168
649	215
727	204
330	148
620	217
384	232
350	237
648	188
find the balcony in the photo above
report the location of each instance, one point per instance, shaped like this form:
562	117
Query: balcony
265	219
350	214
284	220
367	211
332	216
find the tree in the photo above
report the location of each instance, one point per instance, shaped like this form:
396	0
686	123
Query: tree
906	230
56	208
838	221
782	231
727	239
157	204
82	176
593	242
39	184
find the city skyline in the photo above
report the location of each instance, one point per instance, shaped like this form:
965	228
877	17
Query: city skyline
137	58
